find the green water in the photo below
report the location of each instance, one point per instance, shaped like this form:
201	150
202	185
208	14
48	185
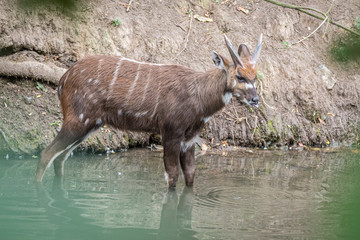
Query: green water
237	195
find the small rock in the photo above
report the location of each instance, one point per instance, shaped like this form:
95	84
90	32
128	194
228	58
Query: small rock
327	76
28	100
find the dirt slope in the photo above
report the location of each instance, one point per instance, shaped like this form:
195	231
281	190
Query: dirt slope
305	96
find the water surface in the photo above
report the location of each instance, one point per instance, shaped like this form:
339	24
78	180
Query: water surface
245	194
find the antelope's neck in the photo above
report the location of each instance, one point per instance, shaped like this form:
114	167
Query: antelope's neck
212	91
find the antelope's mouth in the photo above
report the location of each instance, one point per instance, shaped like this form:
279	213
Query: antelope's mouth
255	105
252	102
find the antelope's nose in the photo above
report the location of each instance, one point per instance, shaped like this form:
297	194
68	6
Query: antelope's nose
255	101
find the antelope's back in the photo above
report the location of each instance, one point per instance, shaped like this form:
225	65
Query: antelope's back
121	92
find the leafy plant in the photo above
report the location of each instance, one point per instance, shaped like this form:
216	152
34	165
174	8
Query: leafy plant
56	123
286	44
116	22
40	87
260	75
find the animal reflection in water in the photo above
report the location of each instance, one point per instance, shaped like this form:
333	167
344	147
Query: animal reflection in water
62	211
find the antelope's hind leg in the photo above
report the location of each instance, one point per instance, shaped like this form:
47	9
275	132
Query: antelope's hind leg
67	139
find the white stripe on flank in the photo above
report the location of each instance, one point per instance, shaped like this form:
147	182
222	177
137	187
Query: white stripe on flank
98	68
132	87
140	114
157	102
146	86
67	75
155	108
116	72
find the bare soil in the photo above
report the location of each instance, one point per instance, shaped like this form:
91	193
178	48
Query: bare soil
305	96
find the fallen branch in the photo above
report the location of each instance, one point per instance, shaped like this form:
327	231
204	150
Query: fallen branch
31	69
304	10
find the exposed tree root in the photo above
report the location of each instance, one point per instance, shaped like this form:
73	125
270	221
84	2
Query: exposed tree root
31	69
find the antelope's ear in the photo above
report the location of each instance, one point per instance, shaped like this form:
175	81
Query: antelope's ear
244	51
218	60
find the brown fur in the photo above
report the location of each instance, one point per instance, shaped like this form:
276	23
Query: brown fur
172	100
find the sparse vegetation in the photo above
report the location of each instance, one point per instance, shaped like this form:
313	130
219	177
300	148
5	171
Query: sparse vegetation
347	47
116	22
41	87
56	123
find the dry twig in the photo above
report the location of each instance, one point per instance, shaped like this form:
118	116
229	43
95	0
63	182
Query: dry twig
187	35
261	94
304	10
322	23
129	5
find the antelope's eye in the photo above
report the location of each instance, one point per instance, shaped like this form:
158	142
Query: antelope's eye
240	79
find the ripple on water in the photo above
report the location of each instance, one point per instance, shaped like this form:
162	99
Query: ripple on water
244	203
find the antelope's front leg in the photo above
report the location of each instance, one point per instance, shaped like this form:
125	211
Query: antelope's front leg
187	161
171	161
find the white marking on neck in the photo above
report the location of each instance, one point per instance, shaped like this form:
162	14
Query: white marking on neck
226	97
81	116
89	80
86	121
249	86
119	113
